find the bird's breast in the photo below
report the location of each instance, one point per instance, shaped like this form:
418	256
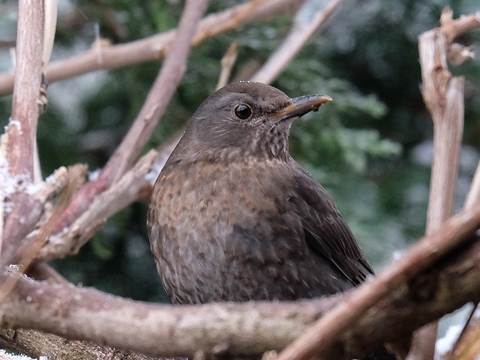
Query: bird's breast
226	233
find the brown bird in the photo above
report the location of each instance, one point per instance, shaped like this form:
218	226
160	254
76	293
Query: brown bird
234	217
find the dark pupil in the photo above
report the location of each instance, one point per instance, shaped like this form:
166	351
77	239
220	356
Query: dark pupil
243	111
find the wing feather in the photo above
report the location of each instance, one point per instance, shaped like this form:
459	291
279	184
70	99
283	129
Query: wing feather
325	230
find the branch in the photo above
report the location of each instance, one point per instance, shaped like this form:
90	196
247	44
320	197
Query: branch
42	345
228	61
321	336
160	94
469	346
443	96
52	186
36	343
251	328
103	57
134	185
296	39
18	143
453	28
68	241
473	195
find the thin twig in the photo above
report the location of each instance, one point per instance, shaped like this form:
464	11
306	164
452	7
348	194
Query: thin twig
473	196
453	28
47	190
28	253
154	47
296	39
269	72
50	18
133	186
228	61
160	94
82	205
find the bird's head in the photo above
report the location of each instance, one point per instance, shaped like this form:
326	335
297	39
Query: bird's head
247	118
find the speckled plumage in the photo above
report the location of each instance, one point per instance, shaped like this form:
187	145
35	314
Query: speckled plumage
234	218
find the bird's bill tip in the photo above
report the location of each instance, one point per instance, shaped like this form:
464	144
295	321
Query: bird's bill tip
302	105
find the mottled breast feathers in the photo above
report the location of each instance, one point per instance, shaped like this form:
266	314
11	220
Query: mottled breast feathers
269	226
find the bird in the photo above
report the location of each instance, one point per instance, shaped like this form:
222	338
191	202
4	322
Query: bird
233	217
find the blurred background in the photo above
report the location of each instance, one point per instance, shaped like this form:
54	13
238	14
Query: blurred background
371	148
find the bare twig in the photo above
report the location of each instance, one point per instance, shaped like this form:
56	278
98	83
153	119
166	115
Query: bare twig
19	137
134	185
154	47
250	328
228	61
165	85
268	72
473	196
298	36
46	191
50	18
28	251
160	94
42	345
443	96
320	337
453	28
469	346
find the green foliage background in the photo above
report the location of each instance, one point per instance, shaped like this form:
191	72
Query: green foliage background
371	147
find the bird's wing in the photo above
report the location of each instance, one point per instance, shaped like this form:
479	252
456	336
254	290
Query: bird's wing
325	230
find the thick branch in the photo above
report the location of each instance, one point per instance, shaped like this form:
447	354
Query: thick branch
37	344
252	328
323	335
443	96
21	131
18	144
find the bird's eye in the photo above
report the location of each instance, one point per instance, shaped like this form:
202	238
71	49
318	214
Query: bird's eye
243	111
